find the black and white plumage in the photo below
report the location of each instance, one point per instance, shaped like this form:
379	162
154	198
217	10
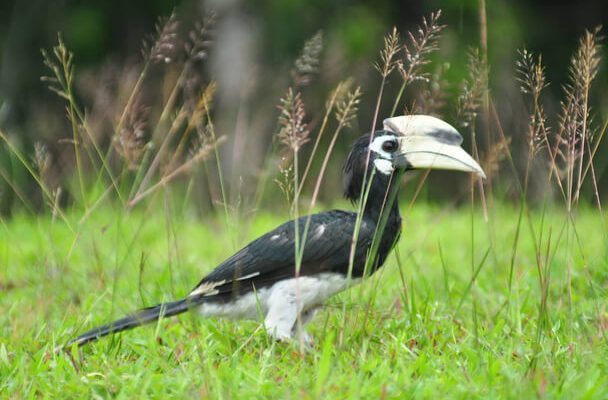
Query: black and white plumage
261	278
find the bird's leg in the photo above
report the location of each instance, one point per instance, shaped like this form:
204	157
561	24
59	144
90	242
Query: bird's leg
285	302
308	315
282	314
299	329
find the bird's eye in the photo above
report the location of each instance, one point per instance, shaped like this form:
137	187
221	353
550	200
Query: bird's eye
390	146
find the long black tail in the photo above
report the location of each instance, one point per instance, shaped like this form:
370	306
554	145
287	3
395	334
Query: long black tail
141	317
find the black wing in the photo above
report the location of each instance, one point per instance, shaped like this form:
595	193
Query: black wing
271	257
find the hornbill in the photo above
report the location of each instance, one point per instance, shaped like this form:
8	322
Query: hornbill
262	279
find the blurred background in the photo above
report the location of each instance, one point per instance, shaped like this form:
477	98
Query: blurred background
250	53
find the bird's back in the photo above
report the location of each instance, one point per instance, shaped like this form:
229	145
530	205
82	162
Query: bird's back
272	257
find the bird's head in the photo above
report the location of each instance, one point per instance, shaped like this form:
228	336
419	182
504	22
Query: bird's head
407	143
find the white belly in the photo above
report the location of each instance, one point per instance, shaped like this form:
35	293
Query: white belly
307	291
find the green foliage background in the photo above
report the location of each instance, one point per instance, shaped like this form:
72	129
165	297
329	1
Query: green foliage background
107	35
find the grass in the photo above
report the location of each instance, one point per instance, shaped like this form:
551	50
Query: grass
487	301
422	327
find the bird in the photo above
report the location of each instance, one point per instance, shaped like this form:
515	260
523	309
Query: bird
287	274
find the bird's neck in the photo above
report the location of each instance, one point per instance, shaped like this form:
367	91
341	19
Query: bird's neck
382	209
382	201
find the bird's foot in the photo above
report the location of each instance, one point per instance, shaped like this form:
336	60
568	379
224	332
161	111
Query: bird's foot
301	338
281	335
305	339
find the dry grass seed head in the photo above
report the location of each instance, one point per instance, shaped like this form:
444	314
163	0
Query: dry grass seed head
338	93
419	46
131	141
42	160
392	46
575	117
584	66
199	119
307	63
472	89
538	130
199	106
61	64
497	152
530	72
163	46
285	181
294	132
348	106
200	38
202	140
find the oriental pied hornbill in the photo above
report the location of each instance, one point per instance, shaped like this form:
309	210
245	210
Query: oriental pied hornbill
261	278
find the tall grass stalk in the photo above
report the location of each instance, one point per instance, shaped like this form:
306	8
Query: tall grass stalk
346	110
329	107
61	83
23	160
417	50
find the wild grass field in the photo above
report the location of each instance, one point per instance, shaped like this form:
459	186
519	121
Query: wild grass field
453	314
502	296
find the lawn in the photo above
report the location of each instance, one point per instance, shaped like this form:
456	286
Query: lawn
446	317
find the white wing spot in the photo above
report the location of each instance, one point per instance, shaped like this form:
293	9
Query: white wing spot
319	231
207	288
242	278
275	237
